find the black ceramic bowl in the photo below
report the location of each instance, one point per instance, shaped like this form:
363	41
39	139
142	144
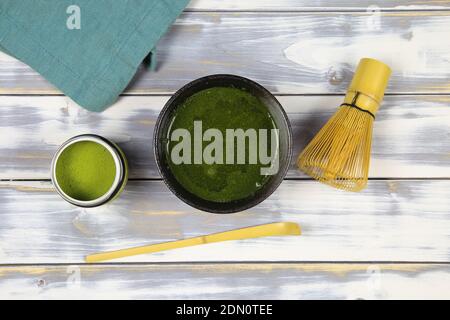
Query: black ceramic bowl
223	80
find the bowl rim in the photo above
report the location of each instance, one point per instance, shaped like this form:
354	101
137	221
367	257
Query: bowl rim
253	201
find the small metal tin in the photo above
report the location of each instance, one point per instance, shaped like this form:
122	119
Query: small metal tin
121	171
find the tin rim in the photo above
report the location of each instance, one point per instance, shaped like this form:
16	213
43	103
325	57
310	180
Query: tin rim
118	179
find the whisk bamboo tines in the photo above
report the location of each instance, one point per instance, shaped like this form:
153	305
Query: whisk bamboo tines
339	155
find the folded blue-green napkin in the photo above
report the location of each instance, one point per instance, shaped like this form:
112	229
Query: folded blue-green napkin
89	49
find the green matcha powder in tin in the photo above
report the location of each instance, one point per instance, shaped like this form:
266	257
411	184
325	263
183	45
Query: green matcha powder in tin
85	170
89	171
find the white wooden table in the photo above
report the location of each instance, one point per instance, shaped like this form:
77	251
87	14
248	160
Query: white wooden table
390	241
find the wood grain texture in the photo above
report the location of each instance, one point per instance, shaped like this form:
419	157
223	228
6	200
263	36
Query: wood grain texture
296	47
390	221
295	53
227	281
317	5
410	134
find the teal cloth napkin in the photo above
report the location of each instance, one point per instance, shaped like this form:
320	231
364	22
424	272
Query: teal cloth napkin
89	49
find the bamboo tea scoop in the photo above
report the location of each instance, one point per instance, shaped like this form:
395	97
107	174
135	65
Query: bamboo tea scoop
265	230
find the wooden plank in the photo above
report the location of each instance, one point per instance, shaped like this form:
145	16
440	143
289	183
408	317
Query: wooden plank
294	53
317	5
227	281
410	134
390	221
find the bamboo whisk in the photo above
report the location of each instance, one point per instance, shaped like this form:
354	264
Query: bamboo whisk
339	155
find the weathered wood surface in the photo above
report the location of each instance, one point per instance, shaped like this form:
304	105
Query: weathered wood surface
390	221
295	53
305	48
410	134
227	281
319	5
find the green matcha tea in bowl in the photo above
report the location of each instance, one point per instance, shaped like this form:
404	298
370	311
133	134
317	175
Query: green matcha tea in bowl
89	171
223	143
